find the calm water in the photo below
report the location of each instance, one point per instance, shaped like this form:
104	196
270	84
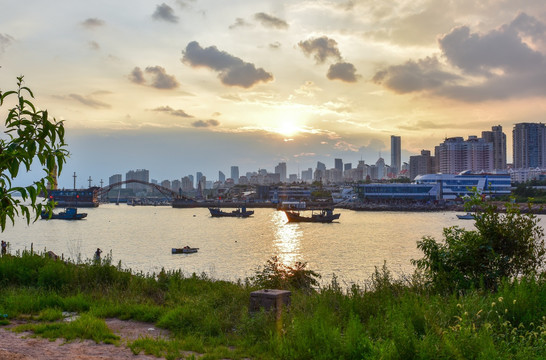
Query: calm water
230	248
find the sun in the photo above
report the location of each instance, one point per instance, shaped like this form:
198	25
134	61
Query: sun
287	128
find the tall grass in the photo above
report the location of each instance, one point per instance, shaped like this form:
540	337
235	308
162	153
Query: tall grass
384	319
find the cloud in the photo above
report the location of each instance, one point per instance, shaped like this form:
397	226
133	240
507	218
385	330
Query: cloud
275	45
342	71
92	23
270	21
88	100
93	45
232	70
322	48
159	78
169	110
205	123
5	41
421	75
239	22
500	64
164	12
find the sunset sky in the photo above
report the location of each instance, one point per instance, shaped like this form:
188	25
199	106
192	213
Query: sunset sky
182	86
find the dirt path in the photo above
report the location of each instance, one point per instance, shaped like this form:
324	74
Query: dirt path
18	346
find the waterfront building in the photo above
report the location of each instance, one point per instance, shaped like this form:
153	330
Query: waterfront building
284	193
498	139
455	155
139	174
176	185
421	164
187	184
235	174
454	186
529	145
396	154
414	192
114	179
221	177
166	184
524	175
281	170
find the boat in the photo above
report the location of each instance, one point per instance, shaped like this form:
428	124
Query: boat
68	214
240	212
184	250
467	216
324	216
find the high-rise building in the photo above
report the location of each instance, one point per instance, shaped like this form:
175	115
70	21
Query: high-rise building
176	185
114	179
307	175
529	144
140	175
396	154
380	168
338	164
347	166
455	155
198	177
221	177
498	139
281	170
235	174
421	164
187	183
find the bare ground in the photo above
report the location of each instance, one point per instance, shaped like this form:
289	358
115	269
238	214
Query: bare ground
19	346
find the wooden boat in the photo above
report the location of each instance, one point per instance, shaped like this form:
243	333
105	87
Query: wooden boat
68	214
184	250
467	216
324	216
240	212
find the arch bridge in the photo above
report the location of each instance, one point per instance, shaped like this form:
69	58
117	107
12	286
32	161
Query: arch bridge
163	190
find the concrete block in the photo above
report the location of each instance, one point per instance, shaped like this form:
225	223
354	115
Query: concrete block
270	300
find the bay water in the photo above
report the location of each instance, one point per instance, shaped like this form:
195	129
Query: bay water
141	237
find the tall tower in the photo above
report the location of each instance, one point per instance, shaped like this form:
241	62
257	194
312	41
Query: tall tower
281	169
396	154
498	139
235	174
529	145
338	164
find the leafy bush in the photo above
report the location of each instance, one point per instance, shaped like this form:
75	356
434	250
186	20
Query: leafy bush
276	275
504	245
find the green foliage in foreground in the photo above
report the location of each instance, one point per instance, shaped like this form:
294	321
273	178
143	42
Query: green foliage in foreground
383	318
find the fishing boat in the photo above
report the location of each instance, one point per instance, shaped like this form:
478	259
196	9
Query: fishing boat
323	216
467	216
184	250
68	214
240	212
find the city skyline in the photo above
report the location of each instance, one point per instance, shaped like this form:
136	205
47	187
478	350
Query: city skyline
183	86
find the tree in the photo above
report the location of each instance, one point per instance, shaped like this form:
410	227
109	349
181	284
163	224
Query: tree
504	245
30	137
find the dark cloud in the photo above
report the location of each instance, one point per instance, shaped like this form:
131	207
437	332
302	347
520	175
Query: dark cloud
159	79
321	48
480	54
205	123
169	110
164	12
232	70
239	22
92	23
90	101
503	63
271	21
425	74
342	71
5	40
137	76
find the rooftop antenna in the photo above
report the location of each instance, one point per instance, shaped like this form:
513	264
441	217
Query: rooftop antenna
74	176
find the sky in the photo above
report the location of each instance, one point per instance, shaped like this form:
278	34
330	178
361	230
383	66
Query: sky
182	86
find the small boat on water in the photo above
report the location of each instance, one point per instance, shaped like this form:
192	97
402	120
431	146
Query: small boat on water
69	214
240	212
467	216
184	250
324	216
